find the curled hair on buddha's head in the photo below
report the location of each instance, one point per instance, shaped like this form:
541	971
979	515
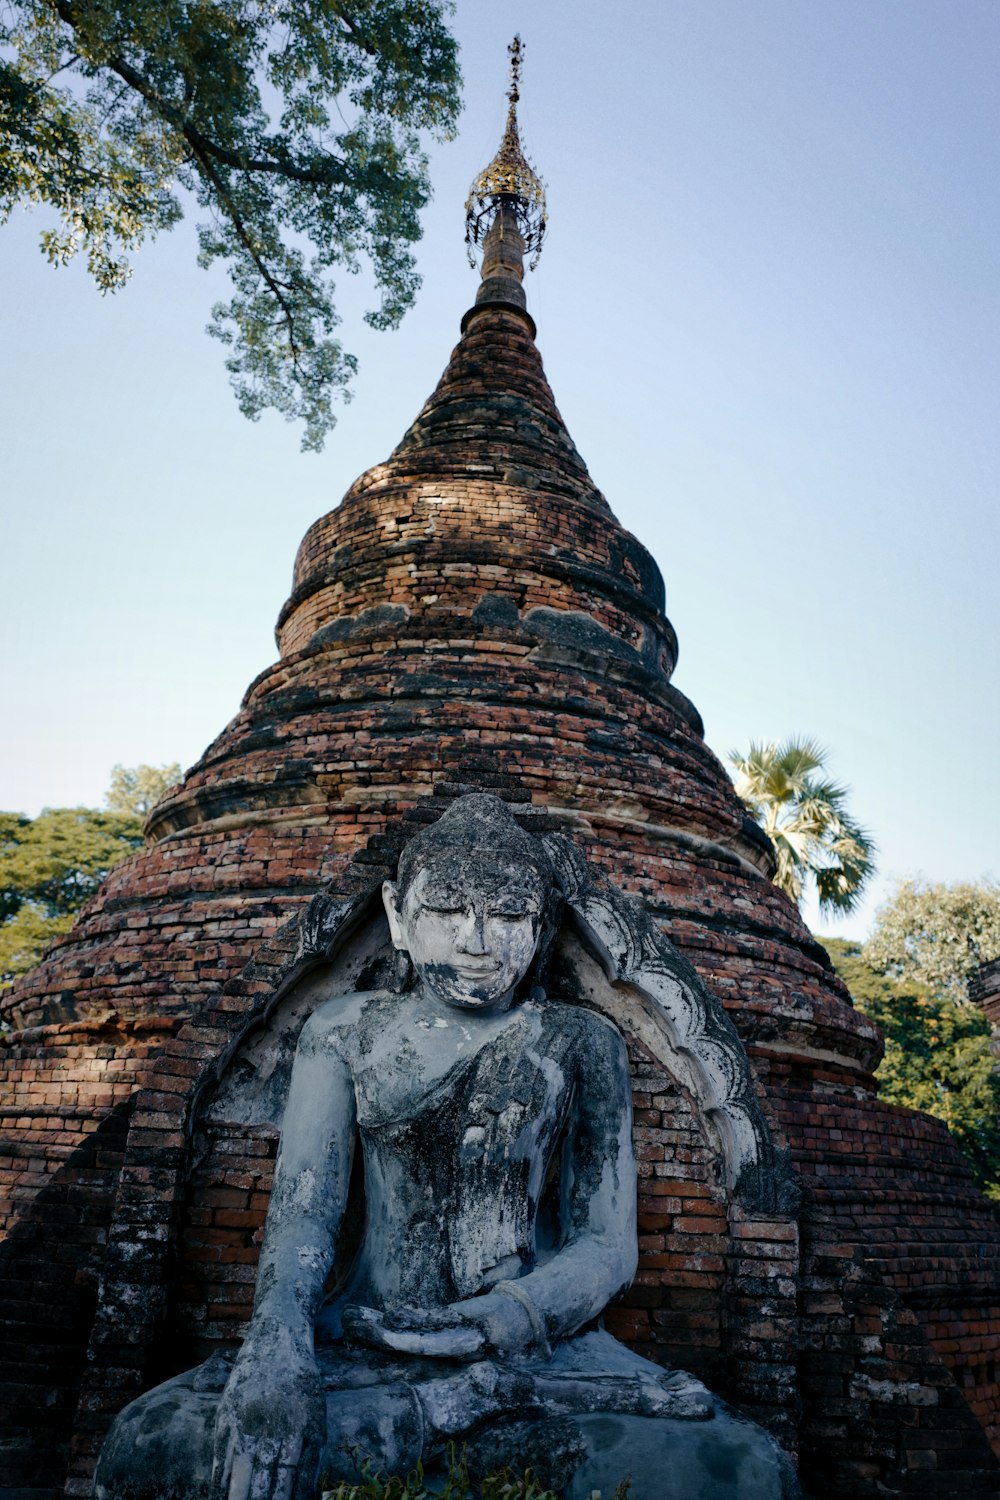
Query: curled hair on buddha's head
475	829
478	840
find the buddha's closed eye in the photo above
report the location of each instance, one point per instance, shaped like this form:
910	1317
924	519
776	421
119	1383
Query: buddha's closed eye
445	899
512	910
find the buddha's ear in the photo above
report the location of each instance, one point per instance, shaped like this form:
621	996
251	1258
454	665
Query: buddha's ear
390	899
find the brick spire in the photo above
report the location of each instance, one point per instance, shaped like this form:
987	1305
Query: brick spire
493	414
503	268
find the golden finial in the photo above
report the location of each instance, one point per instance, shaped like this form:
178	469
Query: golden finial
509	182
514	52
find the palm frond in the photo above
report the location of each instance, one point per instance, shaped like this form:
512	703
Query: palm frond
806	817
798	756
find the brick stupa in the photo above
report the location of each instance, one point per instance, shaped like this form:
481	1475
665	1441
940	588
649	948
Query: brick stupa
472	616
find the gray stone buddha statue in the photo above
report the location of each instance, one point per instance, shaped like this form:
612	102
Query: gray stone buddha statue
494	1124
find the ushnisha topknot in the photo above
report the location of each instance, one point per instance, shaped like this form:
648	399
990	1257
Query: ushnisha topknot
477	829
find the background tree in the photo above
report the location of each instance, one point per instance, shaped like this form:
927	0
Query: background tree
805	816
52	864
936	935
49	866
136	789
295	125
938	1057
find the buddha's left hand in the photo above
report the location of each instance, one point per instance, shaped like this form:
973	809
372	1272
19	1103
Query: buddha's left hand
468	1330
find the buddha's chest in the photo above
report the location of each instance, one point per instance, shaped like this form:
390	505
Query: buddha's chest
492	1081
468	1148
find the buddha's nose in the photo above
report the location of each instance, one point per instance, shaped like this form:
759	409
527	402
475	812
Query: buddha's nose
472	934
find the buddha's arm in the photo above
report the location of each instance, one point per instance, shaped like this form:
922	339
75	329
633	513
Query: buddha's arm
598	1255
271	1422
310	1183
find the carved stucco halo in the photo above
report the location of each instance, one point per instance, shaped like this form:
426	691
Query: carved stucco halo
663	1001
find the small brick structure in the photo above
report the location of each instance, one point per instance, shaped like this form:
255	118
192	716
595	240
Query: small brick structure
984	991
473	617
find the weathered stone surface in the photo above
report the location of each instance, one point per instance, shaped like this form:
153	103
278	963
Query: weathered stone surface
726	1459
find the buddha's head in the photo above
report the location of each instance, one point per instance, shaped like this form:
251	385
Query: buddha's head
473	904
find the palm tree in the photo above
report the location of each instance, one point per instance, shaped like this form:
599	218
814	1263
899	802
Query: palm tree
804	815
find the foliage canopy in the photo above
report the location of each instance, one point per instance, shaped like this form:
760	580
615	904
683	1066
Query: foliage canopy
52	864
295	124
49	866
136	789
805	816
936	935
938	1057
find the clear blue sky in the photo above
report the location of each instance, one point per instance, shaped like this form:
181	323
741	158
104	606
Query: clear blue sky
770	312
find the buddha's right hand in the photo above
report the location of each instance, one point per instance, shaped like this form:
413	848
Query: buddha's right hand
436	1333
271	1423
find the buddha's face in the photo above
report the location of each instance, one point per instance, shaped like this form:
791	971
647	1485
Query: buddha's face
471	934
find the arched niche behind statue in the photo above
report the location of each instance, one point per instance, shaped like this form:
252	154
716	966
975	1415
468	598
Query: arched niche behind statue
703	1145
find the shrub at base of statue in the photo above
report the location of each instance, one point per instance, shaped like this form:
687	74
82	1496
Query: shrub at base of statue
747	1465
494	1127
455	1484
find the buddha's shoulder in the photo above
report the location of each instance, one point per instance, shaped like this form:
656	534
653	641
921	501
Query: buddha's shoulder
351	1016
578	1022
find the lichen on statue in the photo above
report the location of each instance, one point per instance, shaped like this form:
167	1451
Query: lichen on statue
494	1124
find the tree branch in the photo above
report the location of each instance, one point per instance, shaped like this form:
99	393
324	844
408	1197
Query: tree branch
243	234
206	153
345	17
202	146
70	62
